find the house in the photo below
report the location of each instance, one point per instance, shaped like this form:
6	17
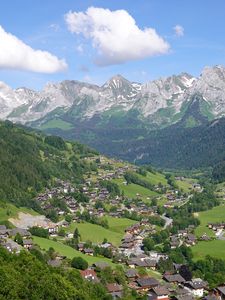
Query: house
115	289
151	263
23	232
158	293
183	294
146	283
175	278
27	244
131	274
4	232
12	246
101	265
88	251
89	274
196	287
190	240
220	291
80	246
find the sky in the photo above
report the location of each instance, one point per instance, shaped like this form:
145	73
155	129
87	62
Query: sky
53	40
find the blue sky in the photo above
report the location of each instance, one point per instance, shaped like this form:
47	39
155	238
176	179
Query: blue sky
42	26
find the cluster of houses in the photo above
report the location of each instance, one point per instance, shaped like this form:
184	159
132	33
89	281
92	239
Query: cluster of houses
7	239
170	286
174	198
132	242
183	237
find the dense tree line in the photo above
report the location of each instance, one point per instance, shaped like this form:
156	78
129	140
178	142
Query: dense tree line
29	161
25	277
131	177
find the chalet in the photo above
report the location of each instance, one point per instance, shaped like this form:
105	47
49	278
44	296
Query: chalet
81	247
212	296
151	263
27	244
158	293
190	240
132	274
115	290
101	265
182	233
146	283
23	232
183	294
89	274
12	246
197	287
88	251
52	228
175	278
220	291
133	229
65	224
4	232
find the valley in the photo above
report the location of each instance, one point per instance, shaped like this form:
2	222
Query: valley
110	213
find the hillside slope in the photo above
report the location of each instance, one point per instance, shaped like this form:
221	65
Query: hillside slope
29	161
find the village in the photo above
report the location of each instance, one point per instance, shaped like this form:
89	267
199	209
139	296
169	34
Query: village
95	200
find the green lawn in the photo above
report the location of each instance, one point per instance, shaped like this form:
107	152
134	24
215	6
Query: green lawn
215	248
68	251
56	123
119	224
96	233
185	185
131	190
155	178
217	214
10	211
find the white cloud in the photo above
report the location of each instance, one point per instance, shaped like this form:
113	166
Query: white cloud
54	27
80	48
179	30
15	54
115	35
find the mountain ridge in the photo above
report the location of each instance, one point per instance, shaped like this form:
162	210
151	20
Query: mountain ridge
164	95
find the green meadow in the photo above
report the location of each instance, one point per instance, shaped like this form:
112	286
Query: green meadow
214	248
96	233
131	190
10	211
215	215
68	251
119	224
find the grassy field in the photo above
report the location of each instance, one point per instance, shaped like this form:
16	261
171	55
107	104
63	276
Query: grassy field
9	211
56	123
119	224
69	252
131	190
215	248
155	178
186	184
217	214
96	233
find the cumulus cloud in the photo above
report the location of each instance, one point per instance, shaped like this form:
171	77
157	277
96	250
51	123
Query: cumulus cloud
179	30
115	35
15	54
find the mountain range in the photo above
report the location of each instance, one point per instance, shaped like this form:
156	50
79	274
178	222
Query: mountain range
119	113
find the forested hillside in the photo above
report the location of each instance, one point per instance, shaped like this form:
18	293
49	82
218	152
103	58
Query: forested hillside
30	161
25	277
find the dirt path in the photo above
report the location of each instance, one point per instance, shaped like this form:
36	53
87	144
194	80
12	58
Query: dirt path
27	220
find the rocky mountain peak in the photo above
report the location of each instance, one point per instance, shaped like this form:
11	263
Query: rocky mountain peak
150	99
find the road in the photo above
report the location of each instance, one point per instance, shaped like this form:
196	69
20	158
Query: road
167	220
